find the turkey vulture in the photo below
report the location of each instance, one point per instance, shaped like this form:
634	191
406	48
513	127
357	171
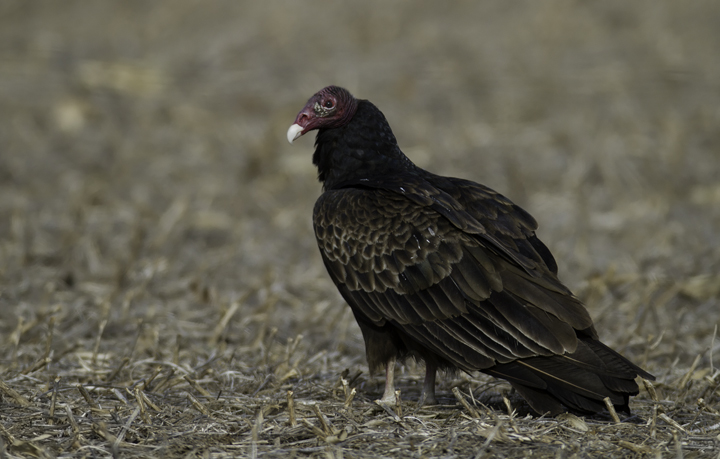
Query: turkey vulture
448	271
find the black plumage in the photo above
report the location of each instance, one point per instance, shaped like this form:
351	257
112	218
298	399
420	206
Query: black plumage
448	270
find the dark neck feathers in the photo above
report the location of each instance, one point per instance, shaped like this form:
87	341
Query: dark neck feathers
364	147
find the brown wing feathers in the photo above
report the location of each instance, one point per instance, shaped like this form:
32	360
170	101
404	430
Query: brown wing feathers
439	287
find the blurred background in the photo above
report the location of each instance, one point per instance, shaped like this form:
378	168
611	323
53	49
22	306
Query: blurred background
145	177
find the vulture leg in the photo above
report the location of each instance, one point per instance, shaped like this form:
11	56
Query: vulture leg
428	393
389	394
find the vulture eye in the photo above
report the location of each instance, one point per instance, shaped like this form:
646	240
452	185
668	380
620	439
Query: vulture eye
328	103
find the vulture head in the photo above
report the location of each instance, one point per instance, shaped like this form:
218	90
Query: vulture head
331	107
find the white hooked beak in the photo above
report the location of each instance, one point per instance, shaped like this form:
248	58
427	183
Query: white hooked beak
294	132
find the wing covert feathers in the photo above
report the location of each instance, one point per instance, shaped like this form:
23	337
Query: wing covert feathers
452	272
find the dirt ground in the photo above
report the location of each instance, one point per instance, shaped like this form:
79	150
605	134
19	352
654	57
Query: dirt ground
161	293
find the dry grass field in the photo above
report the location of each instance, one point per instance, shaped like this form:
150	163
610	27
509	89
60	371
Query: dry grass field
161	294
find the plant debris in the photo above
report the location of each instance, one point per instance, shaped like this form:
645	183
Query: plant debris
160	288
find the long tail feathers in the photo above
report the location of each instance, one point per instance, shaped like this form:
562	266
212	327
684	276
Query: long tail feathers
578	382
